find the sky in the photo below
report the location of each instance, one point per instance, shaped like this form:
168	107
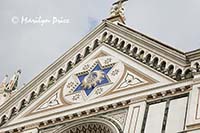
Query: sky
32	47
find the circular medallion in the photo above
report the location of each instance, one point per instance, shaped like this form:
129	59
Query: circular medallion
93	79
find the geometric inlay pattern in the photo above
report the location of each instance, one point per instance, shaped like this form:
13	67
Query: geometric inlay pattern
51	102
93	79
130	80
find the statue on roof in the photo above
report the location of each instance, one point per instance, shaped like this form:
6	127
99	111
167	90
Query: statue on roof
117	10
12	85
6	88
4	83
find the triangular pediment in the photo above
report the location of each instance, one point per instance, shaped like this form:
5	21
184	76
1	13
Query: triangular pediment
93	72
105	74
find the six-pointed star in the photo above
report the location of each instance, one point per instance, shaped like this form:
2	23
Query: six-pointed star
104	80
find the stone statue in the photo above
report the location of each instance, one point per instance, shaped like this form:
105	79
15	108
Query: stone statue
12	85
118	9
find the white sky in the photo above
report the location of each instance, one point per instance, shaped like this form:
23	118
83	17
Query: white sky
32	47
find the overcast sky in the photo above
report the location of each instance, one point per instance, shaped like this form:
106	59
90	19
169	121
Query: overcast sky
32	47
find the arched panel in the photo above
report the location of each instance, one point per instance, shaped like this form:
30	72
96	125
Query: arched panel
94	125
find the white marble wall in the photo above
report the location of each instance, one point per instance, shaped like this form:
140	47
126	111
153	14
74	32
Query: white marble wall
135	118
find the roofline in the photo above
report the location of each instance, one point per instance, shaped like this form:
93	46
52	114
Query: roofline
152	39
193	55
154	44
193	51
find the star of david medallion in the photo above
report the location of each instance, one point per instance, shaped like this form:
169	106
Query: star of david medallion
98	77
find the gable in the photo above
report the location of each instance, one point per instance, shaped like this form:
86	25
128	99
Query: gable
45	95
122	76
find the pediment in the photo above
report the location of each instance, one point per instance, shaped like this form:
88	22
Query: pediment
105	74
96	70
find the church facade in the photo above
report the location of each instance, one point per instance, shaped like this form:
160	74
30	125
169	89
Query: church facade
115	80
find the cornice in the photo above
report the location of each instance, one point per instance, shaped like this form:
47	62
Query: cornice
151	44
193	55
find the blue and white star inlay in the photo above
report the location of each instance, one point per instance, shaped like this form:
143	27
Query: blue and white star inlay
96	77
92	81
